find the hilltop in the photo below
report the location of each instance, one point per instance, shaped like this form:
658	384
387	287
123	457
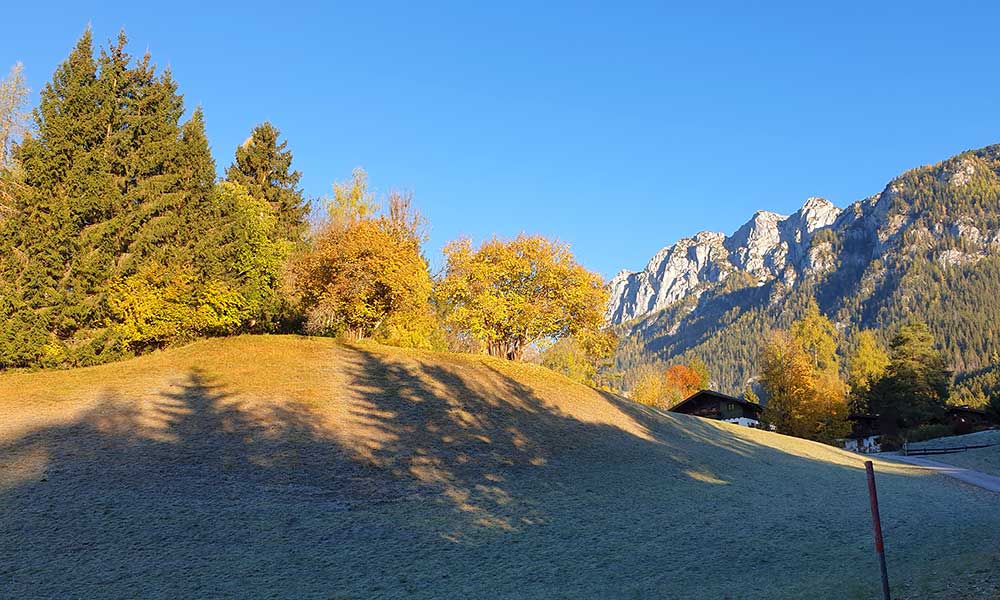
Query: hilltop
925	247
298	467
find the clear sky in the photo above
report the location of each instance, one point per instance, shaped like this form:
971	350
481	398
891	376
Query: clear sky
616	127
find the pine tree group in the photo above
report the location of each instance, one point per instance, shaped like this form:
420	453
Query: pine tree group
118	237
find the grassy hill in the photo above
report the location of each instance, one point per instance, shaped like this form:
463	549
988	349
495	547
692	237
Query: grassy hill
273	467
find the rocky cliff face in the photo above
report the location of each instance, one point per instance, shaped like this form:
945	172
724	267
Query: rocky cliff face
926	247
768	247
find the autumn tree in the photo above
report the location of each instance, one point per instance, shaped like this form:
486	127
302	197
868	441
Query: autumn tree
365	275
818	337
649	388
865	366
568	356
13	112
508	294
681	381
228	281
667	388
352	201
800	377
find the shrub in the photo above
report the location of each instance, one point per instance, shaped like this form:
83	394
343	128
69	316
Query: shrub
927	431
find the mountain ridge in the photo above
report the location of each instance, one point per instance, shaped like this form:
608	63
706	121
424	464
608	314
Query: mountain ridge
927	247
761	248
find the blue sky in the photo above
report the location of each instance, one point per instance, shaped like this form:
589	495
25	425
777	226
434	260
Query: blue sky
615	127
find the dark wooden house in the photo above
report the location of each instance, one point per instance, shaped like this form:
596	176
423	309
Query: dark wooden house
864	426
865	431
716	405
965	419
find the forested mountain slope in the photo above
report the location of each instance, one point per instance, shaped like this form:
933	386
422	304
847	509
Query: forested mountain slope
926	247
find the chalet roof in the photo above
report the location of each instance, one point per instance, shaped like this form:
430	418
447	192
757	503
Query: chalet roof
717	396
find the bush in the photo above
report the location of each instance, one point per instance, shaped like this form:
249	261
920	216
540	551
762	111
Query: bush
927	431
890	443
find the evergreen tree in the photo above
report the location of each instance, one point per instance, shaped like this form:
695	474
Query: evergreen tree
44	304
118	204
263	166
993	408
917	382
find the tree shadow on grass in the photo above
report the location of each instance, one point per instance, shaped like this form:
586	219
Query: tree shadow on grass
445	479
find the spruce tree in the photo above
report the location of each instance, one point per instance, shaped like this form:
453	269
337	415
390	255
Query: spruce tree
114	185
263	165
60	176
916	384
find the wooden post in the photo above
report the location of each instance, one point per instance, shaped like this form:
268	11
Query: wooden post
877	526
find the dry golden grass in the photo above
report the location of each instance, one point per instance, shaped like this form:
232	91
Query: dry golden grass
296	467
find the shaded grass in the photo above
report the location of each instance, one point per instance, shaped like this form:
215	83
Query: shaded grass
260	467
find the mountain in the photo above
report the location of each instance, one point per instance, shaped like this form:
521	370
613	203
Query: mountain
769	246
926	247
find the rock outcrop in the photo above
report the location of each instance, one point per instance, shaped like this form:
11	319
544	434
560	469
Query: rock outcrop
769	246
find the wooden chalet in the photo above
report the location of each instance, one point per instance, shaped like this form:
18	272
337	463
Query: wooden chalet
722	407
865	431
864	426
965	419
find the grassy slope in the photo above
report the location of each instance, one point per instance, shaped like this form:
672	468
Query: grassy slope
986	460
294	467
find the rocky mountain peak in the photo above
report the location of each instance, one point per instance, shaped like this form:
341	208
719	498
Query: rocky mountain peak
817	213
765	247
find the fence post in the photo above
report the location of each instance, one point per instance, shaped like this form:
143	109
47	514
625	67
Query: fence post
877	526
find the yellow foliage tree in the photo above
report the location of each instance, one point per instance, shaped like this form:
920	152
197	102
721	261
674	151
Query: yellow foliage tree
162	304
508	294
225	284
650	388
351	201
365	275
665	389
805	395
867	364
